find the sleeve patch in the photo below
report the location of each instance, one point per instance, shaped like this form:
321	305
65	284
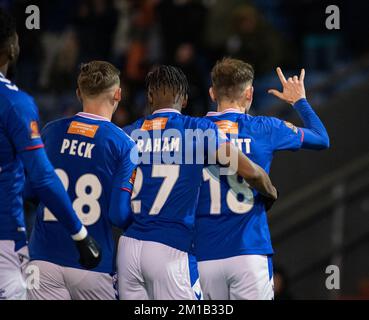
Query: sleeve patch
133	177
35	132
291	126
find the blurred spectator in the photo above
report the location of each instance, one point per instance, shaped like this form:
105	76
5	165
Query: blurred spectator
192	34
95	24
63	71
181	21
253	40
56	16
141	53
319	48
185	58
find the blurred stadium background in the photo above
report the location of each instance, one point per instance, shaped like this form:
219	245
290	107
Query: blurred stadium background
322	215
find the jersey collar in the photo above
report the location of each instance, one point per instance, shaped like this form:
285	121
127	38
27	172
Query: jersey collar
92	116
166	110
1	75
230	110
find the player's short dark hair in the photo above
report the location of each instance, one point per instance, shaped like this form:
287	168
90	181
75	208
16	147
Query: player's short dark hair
167	78
97	76
7	28
230	77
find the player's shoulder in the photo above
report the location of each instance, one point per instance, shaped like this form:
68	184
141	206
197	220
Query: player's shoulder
198	123
56	124
118	134
128	129
13	97
263	124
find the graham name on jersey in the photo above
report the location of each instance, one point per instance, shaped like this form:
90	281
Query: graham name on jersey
159	145
173	145
77	148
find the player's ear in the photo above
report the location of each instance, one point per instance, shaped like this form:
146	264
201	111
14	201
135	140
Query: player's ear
78	94
118	95
13	49
249	93
11	52
212	94
150	98
185	101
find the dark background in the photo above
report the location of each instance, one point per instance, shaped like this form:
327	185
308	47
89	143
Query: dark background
322	215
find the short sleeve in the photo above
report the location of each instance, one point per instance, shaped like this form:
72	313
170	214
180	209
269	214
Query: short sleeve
285	135
23	126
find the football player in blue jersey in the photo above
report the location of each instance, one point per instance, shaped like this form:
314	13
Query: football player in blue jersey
232	240
95	161
22	151
154	260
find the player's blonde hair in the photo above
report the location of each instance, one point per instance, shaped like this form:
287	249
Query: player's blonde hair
95	77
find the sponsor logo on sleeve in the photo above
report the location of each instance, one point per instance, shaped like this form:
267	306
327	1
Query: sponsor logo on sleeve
35	132
133	177
291	126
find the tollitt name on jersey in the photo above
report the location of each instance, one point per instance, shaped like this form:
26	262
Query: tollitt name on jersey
243	144
77	148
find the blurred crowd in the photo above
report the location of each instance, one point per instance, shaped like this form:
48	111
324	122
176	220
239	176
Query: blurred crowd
191	34
135	35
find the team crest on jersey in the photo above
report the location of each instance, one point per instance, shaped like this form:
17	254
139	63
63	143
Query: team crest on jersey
154	124
228	127
35	132
83	129
291	126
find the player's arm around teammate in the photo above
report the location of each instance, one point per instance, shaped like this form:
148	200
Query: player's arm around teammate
254	175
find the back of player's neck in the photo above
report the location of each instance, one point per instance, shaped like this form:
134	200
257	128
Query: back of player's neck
226	106
157	108
102	112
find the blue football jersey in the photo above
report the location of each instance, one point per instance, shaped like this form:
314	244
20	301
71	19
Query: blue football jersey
167	185
231	218
18	133
89	154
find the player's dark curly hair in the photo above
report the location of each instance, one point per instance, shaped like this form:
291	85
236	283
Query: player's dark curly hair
167	77
7	28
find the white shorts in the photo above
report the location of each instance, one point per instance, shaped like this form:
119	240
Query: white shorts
12	264
63	283
246	277
153	271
